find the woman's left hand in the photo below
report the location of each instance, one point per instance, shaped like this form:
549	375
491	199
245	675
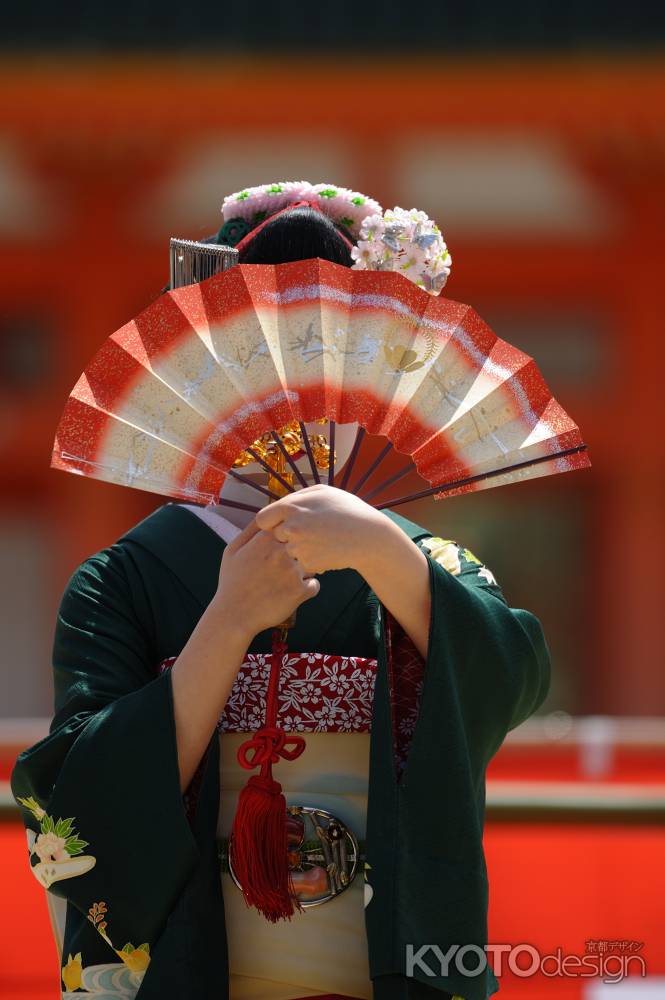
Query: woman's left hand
324	527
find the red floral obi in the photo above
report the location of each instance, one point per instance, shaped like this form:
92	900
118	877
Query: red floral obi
325	693
319	693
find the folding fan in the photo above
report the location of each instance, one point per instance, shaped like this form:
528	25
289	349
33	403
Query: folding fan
174	398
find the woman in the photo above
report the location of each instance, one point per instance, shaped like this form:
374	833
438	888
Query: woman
122	799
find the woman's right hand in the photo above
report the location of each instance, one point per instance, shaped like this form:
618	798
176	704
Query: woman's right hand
260	584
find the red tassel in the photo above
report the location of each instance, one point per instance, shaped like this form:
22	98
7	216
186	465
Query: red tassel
260	861
258	846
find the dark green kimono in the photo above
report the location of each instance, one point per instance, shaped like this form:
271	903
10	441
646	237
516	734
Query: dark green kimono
101	800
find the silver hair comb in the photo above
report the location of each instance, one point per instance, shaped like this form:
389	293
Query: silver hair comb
192	262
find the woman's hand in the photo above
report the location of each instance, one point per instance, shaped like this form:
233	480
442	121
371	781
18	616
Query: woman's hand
260	583
323	527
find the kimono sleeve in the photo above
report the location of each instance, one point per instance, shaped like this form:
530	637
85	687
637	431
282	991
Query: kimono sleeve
100	795
498	654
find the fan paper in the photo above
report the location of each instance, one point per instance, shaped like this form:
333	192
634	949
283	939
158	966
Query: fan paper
173	397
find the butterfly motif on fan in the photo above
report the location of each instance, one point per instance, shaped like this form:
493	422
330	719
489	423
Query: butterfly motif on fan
201	381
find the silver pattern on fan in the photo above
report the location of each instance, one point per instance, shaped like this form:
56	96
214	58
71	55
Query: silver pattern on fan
192	262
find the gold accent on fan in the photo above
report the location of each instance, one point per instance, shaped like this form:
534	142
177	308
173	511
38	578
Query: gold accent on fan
267	449
292	439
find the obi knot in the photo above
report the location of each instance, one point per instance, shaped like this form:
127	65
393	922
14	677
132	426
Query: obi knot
268	745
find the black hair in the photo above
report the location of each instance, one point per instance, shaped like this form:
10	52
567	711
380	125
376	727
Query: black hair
298	234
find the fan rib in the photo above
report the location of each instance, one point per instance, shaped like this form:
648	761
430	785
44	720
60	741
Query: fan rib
375	464
308	449
280	479
352	457
289	458
482	475
388	482
237	505
250	482
331	453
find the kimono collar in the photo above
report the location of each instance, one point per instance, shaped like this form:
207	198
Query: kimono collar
191	550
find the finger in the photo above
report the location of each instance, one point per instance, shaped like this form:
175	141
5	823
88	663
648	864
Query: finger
271	515
311	587
280	533
244	536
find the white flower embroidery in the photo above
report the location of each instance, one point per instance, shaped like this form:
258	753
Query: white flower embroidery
350	723
318	692
329	710
50	848
488	575
444	551
294	723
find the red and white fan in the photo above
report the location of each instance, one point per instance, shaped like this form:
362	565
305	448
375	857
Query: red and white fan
173	398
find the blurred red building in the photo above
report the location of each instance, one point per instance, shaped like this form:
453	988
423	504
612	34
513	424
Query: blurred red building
547	181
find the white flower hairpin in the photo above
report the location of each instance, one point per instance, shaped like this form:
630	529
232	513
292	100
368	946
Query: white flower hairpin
405	241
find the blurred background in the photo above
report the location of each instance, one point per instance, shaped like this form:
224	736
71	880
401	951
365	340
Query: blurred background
534	134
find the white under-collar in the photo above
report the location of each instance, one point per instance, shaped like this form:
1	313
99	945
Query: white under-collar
212	516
